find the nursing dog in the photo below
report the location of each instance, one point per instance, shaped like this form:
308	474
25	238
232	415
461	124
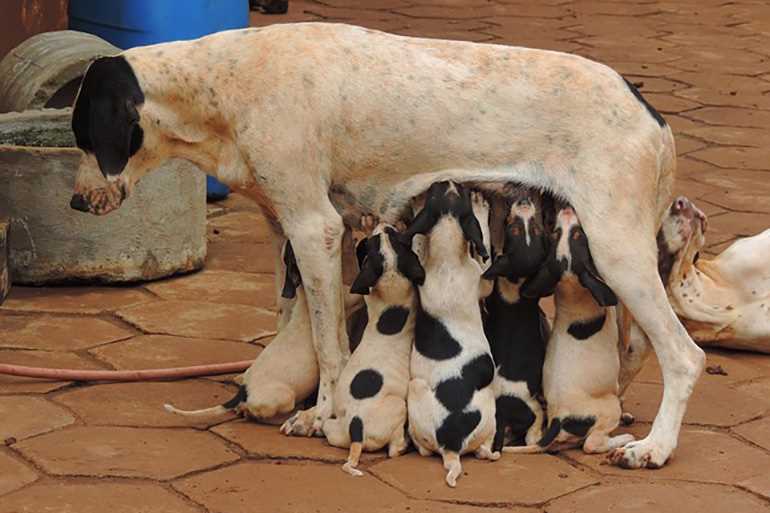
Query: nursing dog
285	372
370	407
321	123
451	401
515	326
580	374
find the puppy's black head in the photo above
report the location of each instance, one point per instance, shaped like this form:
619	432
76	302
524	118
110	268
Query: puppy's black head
569	253
526	242
376	257
292	278
105	119
449	199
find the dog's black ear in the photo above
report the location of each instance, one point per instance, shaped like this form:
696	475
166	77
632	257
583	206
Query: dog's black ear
292	278
542	284
370	272
500	267
409	265
422	223
361	250
601	292
472	232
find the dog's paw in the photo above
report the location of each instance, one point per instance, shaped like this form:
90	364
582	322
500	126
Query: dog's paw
302	423
639	454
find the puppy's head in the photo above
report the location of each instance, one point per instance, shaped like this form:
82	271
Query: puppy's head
119	145
388	266
569	258
526	242
680	238
449	205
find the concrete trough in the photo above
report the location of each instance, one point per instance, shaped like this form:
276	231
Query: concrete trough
159	231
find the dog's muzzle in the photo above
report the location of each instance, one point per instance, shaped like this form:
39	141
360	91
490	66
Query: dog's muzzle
78	202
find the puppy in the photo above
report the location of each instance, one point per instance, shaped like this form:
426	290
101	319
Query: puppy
286	371
515	326
451	402
370	402
580	374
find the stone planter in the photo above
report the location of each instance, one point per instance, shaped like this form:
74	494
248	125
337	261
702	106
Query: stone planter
159	231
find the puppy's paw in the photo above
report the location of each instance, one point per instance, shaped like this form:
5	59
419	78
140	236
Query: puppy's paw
302	423
353	471
641	454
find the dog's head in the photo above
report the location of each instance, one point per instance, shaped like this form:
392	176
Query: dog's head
118	144
388	266
526	242
449	204
680	238
568	258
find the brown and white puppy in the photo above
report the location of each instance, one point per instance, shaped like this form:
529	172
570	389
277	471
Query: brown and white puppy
580	374
515	326
370	406
451	400
285	372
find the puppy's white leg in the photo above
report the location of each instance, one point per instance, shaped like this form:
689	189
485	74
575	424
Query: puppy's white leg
453	467
485	451
398	442
535	431
336	433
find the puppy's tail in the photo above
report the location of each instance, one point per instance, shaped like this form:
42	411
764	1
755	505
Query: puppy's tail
453	466
232	404
548	437
356	429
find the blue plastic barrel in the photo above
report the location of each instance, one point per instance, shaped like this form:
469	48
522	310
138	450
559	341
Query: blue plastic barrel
128	23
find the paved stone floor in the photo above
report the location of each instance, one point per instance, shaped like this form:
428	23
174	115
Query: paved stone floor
110	447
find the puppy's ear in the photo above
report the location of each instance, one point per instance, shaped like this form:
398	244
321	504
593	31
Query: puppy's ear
601	292
371	270
542	284
409	265
362	248
472	232
500	267
292	278
422	223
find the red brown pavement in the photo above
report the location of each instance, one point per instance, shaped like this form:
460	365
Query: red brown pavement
705	64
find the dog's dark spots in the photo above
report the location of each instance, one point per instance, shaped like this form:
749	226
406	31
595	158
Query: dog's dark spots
583	330
554	427
432	340
392	320
241	396
654	113
356	429
358	322
512	412
578	426
454	394
479	372
367	383
456	428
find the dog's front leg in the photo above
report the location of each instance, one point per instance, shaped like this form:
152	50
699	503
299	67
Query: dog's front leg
316	237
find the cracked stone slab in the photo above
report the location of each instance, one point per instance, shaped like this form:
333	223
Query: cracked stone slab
39	416
56	360
757	432
242	226
13	475
232	288
77	300
57	333
203	320
737	366
98	497
126	452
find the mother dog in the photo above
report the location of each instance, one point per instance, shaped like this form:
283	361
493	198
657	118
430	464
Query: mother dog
323	122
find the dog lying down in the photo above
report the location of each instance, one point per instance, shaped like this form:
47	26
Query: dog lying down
285	372
580	374
370	401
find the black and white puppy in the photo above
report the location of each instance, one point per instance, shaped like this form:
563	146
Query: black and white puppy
515	326
370	401
580	374
451	401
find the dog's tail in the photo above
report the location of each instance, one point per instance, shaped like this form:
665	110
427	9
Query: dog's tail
542	445
453	467
356	429
232	404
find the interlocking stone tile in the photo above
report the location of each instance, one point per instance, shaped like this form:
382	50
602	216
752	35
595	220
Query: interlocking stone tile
709	58
693	189
292	488
481	11
163	351
78	300
738	117
66	497
704	456
731	136
246	257
727	98
745	158
241	226
537	478
758	484
126	452
13	475
655	84
686	144
39	416
670	104
737	365
758	388
757	431
141	404
55	333
197	319
643	400
645	497
268	442
220	287
680	123
736	224
56	360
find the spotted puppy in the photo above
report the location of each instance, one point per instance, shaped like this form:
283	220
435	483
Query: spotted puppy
451	401
286	371
370	402
515	326
580	374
